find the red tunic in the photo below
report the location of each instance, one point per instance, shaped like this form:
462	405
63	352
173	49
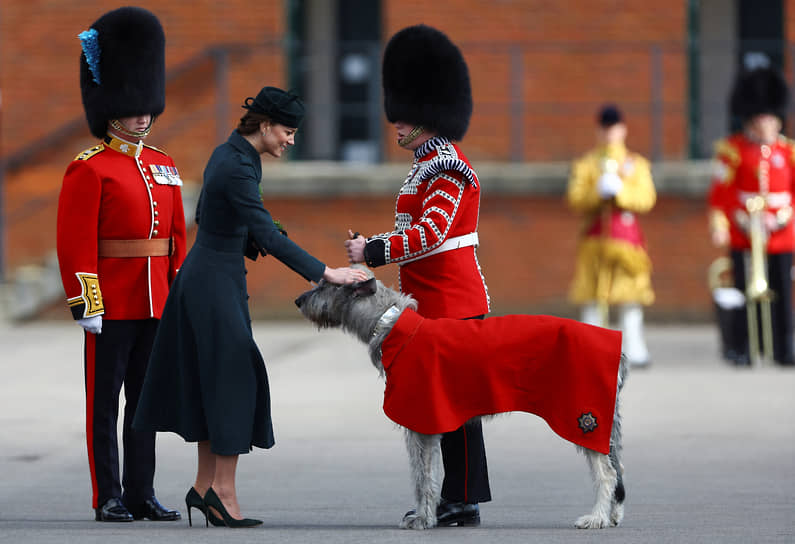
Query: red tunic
745	168
439	200
442	372
108	193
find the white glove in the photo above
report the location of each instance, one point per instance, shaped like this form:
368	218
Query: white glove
728	298
609	184
91	324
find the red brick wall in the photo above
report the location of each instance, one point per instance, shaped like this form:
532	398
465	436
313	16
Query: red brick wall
574	55
789	35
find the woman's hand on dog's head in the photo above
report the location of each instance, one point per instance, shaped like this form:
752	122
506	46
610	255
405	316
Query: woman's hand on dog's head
344	275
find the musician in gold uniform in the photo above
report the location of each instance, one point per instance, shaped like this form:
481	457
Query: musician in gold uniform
609	186
755	162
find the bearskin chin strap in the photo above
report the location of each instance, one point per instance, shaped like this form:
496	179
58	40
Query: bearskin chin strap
411	136
116	124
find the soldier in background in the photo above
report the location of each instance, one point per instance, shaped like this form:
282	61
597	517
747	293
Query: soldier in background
757	161
120	241
608	187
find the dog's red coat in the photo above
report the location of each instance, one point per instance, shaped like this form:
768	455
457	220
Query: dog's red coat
442	372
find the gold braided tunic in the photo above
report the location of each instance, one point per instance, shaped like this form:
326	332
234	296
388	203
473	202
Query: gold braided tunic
612	264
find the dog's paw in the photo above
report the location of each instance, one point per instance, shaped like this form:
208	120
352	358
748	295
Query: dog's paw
592	522
412	520
617	514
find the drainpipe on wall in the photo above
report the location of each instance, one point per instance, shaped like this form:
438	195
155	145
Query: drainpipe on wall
693	71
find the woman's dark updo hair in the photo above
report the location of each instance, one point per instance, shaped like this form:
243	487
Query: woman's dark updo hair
250	122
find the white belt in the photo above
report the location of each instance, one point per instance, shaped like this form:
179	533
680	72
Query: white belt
457	242
774	200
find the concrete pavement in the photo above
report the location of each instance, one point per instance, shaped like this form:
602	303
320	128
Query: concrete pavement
709	452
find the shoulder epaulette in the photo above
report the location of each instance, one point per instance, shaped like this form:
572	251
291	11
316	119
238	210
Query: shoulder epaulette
90	152
592	154
637	156
153	148
789	143
447	159
725	148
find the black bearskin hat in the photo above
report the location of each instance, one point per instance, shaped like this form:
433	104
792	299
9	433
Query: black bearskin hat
759	91
122	67
426	82
609	115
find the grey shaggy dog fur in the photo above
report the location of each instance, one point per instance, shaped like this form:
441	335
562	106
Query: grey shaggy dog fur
357	309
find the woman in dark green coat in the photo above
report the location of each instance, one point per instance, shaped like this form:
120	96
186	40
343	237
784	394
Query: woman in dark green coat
206	379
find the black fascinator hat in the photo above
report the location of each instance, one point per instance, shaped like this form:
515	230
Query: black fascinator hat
279	106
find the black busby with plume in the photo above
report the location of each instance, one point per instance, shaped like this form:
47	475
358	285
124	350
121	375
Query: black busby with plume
426	82
757	92
122	67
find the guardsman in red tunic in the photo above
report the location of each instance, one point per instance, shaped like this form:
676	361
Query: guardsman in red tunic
120	239
757	162
427	97
609	187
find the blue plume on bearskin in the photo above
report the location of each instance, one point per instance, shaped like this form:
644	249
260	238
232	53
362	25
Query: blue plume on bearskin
88	41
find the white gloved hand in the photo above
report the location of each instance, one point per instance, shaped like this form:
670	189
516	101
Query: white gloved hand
91	324
728	298
609	184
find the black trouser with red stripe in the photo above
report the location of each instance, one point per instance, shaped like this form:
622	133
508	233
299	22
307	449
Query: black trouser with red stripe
119	355
466	474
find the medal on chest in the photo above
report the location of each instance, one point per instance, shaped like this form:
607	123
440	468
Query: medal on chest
165	175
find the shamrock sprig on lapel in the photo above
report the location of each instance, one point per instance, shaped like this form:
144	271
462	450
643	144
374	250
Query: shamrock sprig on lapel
276	222
279	226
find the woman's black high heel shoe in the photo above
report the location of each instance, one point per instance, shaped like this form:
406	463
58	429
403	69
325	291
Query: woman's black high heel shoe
212	500
194	500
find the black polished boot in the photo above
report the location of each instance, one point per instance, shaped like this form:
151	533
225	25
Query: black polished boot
153	510
449	514
112	510
737	358
461	514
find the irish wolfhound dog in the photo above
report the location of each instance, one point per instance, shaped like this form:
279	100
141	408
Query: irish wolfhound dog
370	311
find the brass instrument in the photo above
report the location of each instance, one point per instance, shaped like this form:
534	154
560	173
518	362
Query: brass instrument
757	290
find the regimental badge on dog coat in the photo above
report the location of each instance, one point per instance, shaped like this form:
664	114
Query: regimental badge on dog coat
442	372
